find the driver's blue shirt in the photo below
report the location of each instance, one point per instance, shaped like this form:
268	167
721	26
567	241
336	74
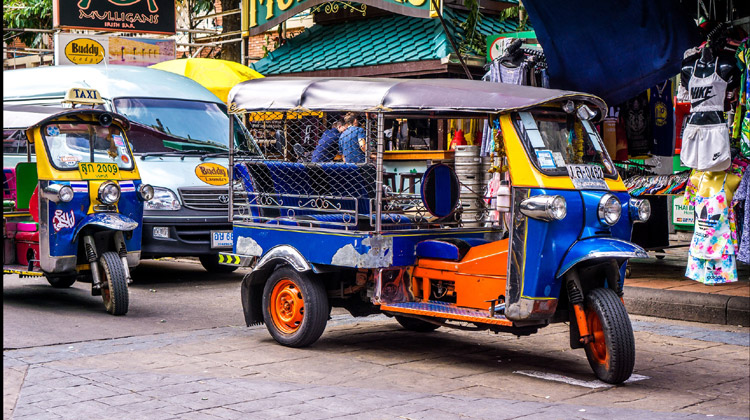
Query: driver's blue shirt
349	144
327	146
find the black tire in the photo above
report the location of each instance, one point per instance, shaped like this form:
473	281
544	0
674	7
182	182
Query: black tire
612	352
211	264
295	307
114	284
417	325
61	282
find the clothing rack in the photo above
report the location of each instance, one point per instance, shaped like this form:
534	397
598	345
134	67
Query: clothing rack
640	185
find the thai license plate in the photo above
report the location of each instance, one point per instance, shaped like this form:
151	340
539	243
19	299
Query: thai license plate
98	170
587	176
221	239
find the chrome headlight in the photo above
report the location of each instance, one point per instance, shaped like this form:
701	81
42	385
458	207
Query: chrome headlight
609	210
545	207
163	199
109	192
640	210
58	193
145	192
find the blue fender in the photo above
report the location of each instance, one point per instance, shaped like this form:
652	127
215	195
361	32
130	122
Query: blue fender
114	221
599	248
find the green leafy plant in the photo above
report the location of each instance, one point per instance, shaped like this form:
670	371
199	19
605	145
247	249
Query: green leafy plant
471	40
28	14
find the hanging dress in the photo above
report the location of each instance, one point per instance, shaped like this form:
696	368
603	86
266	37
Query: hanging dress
711	259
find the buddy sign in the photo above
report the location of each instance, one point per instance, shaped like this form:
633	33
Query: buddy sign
261	15
149	16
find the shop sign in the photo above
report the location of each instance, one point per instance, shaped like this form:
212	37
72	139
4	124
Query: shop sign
261	15
212	174
683	214
147	16
106	49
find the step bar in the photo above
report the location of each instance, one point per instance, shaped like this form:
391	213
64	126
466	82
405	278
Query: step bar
447	311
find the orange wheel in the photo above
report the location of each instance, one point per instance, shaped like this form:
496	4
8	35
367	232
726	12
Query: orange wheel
287	306
599	345
611	353
295	307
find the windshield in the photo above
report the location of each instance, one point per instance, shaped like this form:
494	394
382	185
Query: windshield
189	125
555	140
68	144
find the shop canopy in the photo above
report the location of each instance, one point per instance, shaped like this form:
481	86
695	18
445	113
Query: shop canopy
611	48
394	95
216	75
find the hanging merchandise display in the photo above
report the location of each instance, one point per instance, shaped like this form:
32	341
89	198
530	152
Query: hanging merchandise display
742	198
637	125
742	130
711	258
662	119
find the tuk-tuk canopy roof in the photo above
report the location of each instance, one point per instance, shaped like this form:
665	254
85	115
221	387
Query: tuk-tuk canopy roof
22	117
396	95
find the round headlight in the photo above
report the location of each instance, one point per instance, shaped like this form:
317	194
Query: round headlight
558	208
65	194
609	209
146	192
109	193
640	210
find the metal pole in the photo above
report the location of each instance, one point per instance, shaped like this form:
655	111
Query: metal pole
243	45
231	164
450	38
379	175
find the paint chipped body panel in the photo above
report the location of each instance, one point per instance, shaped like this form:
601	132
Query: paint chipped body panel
354	249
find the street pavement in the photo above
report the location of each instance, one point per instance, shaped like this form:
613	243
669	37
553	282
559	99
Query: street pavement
183	352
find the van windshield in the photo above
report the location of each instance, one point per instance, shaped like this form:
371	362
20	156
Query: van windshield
188	125
555	140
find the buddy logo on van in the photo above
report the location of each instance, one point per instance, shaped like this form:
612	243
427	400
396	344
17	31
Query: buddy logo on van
84	51
212	174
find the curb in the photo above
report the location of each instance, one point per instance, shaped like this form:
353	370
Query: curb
688	306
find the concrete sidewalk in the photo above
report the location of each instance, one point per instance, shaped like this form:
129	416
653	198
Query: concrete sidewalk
659	288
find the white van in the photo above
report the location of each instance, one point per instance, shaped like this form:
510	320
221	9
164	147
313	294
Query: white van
179	134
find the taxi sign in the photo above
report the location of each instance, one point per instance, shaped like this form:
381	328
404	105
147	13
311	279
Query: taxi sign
98	170
83	96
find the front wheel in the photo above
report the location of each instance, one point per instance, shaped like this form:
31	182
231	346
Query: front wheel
295	307
114	284
211	264
611	354
61	282
417	325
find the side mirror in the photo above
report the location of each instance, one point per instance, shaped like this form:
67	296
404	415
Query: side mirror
585	113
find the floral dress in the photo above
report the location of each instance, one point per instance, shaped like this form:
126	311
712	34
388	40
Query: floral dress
711	259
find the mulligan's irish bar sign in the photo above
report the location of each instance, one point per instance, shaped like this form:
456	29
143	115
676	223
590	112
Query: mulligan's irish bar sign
149	16
261	15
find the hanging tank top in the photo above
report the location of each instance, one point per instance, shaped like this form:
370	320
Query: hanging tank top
707	93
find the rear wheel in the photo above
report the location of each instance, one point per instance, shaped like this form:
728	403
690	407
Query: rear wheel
295	307
115	285
413	324
211	264
611	354
61	282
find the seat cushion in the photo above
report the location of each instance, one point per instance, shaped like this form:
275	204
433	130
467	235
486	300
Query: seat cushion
453	249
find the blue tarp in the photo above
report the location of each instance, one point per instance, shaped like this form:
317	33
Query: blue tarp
612	48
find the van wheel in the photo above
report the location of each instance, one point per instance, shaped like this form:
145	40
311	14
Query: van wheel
211	264
611	354
417	325
61	282
295	307
115	285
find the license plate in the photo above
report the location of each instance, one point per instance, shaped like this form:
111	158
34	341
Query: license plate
587	176
221	239
98	170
